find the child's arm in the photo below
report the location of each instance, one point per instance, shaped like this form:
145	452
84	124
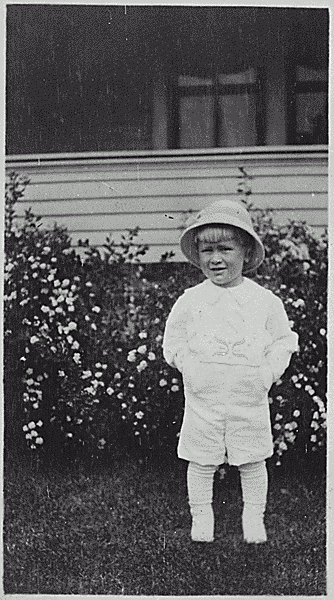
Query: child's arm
285	341
175	336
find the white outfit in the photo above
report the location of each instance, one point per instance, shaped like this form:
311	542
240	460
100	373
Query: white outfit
230	344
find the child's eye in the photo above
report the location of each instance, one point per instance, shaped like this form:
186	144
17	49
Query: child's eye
224	248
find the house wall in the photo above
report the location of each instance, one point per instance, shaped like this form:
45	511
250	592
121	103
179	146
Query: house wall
97	194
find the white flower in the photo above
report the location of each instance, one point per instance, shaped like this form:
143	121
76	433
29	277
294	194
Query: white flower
158	338
117	376
98	374
46	250
322	331
142	335
45	309
69	339
277	426
132	356
93	326
39	423
65	282
89	284
151	356
56	283
123	405
296	413
86	374
34	339
142	349
90	390
39	440
75	345
316	415
31	425
139	415
76	357
120	396
142	365
71	325
282	446
162	382
35	405
30	382
175	388
61	373
278	417
25	428
96	309
313	438
71	309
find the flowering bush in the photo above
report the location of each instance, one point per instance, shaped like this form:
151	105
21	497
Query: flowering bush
83	356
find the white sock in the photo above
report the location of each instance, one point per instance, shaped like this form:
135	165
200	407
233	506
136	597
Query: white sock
200	493
254	485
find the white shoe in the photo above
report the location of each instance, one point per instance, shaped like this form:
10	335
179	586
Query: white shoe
202	523
253	527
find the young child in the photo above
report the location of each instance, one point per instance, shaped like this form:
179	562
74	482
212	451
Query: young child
231	340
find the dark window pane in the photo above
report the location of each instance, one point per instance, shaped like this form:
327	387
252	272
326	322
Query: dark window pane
196	122
237	120
311	110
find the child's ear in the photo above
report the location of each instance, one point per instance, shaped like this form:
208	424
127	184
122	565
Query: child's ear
247	254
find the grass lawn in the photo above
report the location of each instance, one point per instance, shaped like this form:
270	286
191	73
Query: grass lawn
126	530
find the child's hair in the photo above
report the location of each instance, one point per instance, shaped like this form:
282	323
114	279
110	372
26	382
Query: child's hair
218	233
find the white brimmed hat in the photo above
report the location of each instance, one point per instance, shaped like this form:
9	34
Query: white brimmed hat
222	212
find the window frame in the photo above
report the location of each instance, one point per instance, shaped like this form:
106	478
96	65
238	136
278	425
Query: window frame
296	87
216	90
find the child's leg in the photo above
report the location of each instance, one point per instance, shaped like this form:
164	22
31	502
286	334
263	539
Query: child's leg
200	492
254	485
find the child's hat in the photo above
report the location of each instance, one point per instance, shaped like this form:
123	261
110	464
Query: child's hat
222	212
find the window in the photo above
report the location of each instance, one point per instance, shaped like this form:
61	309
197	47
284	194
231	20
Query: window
310	106
218	112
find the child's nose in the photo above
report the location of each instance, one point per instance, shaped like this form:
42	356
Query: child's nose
216	256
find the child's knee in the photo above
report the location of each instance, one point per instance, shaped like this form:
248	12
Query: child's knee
253	468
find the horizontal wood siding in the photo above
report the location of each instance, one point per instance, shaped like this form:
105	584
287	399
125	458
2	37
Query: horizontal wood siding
95	195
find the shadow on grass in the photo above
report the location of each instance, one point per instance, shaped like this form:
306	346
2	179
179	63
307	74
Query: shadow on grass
125	529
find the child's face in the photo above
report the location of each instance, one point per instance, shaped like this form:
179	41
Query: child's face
222	261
